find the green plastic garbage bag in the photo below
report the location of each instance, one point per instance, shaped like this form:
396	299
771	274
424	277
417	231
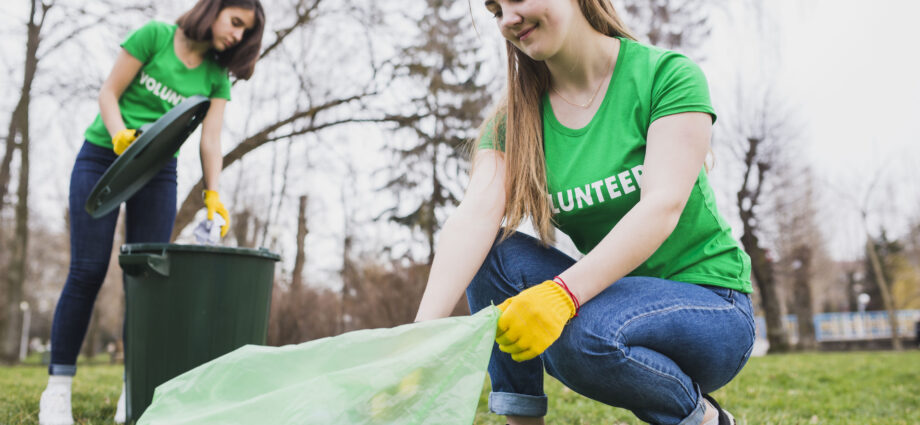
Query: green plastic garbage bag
422	373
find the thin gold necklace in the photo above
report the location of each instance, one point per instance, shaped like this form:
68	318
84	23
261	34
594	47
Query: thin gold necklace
593	96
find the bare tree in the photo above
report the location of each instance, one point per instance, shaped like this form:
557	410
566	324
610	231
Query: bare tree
451	97
759	135
316	113
18	140
878	273
800	245
876	249
301	313
19	130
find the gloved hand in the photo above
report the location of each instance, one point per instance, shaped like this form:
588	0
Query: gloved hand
532	320
122	140
212	202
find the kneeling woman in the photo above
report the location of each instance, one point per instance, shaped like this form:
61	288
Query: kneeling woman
605	139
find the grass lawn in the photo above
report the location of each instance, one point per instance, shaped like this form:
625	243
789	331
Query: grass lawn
812	388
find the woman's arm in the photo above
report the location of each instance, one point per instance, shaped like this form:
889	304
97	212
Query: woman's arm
123	72
212	160
675	151
466	237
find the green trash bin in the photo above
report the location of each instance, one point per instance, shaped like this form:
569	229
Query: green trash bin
187	305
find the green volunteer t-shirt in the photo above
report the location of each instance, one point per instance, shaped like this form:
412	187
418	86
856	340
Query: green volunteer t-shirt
162	82
594	173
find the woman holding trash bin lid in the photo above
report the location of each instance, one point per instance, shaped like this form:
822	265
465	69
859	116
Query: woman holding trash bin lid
605	139
159	65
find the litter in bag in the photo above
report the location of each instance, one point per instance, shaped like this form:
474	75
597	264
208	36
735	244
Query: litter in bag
422	373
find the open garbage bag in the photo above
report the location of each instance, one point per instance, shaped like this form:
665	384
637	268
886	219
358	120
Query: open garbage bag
422	373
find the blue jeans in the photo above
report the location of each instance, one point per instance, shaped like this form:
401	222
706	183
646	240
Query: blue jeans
648	345
150	215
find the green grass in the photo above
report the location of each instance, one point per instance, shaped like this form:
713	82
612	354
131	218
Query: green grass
813	388
95	391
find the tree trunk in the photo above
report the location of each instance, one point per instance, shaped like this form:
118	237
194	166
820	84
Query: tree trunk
431	224
349	277
802	303
5	164
17	270
886	294
852	304
762	269
300	259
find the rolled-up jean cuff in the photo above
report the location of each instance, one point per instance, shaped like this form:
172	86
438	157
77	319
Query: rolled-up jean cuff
62	369
696	416
517	404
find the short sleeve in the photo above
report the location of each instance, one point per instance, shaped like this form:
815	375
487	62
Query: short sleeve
143	42
679	86
493	134
221	87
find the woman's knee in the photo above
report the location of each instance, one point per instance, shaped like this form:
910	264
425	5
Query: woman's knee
581	350
493	282
87	275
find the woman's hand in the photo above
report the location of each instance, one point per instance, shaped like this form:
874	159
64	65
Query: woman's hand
212	202
122	140
532	320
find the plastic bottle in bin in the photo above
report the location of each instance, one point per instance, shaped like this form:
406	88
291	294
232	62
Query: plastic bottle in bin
208	231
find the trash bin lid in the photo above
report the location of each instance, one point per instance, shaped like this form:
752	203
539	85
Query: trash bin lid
156	145
137	248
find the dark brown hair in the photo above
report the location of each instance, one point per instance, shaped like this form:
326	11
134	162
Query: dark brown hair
240	59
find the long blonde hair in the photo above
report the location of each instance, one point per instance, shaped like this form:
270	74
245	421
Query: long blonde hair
526	192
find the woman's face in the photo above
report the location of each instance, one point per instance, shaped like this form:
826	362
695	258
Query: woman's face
536	27
230	25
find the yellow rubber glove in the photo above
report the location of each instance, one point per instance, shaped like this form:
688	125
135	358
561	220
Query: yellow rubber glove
122	140
532	320
212	202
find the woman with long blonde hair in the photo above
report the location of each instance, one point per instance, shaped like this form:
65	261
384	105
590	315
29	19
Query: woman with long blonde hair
603	138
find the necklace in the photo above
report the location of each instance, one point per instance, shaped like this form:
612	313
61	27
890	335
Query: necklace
593	96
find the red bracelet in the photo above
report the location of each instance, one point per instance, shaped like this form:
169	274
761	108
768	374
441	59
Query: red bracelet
561	283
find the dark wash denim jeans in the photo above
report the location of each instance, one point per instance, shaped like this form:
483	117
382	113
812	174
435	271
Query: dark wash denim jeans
648	345
150	215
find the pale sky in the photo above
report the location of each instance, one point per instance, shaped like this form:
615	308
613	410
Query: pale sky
850	68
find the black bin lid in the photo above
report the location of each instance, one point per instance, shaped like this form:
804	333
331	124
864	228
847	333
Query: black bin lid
156	145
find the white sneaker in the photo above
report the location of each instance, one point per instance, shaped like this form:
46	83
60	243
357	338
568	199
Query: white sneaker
120	411
54	406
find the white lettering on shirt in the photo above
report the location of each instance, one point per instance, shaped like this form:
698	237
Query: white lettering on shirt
583	195
618	184
562	204
637	174
625	182
159	90
611	183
